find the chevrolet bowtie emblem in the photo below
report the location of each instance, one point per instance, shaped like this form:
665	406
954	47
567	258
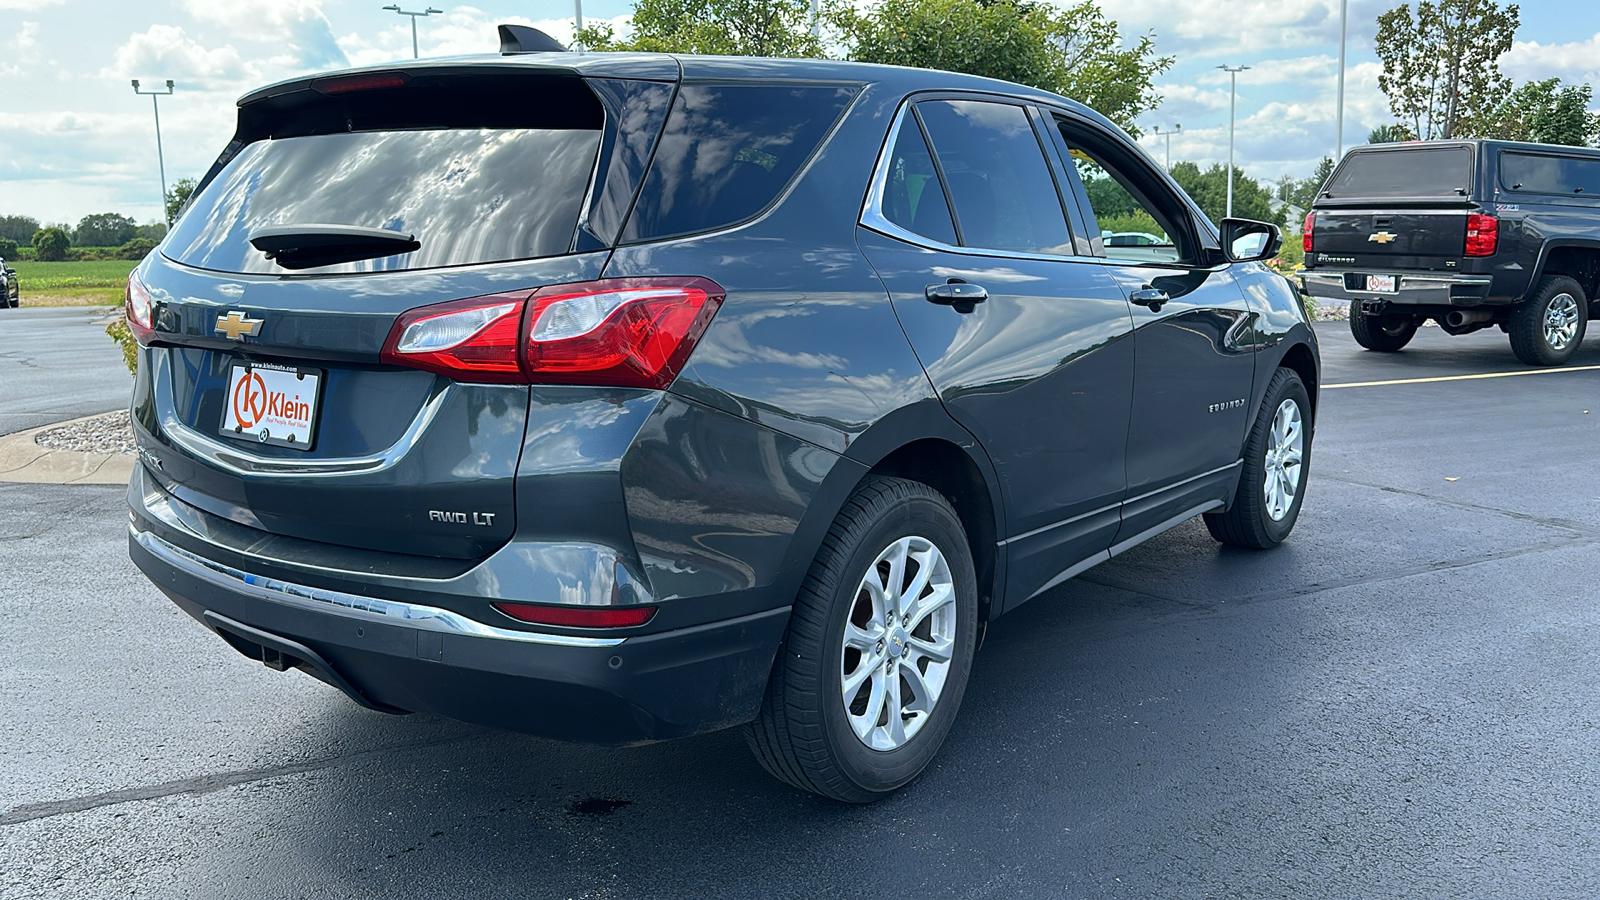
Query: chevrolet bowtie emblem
236	325
1382	237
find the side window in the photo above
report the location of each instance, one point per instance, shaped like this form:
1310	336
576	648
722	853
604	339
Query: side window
727	151
1550	174
1131	227
912	197
1004	195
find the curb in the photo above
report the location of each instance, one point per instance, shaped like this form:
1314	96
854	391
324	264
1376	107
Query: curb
24	462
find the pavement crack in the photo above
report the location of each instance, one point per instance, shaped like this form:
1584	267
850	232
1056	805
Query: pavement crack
201	784
1563	524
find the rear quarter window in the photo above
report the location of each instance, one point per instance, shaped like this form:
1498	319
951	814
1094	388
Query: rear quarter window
728	151
1409	172
1542	174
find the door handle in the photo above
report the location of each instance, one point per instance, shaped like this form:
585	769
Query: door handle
1155	298
956	293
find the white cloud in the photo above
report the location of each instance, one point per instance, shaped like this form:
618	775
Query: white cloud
462	30
299	27
1577	62
1247	26
27	5
166	51
21	50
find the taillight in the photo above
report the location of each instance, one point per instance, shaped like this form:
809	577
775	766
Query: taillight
632	332
1483	235
1305	232
140	308
578	616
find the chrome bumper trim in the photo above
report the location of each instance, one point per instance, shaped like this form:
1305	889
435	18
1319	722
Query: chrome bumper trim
1417	288
370	609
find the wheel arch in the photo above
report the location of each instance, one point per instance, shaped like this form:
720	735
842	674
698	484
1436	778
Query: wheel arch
1299	358
1576	259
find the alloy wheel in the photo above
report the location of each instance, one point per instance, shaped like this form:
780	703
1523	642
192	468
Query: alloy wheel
1284	456
1561	321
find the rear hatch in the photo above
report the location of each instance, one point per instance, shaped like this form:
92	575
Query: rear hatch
343	203
1395	207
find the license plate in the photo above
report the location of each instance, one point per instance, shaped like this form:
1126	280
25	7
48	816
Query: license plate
269	404
1382	284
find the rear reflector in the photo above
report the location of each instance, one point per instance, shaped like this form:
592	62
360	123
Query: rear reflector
628	332
1483	235
578	616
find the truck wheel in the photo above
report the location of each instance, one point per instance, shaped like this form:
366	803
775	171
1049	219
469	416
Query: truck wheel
879	646
1277	459
1547	328
1384	333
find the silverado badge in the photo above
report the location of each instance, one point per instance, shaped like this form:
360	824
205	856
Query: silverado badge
1382	237
236	325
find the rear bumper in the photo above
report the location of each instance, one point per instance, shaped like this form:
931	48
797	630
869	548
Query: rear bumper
1412	288
411	657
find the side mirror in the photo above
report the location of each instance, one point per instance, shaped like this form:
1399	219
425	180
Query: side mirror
1244	240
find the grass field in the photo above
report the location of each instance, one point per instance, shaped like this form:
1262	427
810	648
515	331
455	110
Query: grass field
73	283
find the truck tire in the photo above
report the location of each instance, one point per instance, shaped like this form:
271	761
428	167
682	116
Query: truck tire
1547	328
864	615
1384	333
1277	463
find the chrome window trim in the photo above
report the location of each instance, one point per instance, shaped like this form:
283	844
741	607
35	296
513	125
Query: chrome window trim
339	603
872	208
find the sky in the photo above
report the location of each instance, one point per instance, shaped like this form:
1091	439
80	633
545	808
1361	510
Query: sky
75	140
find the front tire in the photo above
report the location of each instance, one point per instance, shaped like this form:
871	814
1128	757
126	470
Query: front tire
879	647
1547	328
1384	333
1277	461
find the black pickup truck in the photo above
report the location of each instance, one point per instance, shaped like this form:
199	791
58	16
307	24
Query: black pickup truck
1471	234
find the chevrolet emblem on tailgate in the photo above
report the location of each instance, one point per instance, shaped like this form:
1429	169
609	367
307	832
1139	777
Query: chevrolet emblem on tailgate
236	325
1382	237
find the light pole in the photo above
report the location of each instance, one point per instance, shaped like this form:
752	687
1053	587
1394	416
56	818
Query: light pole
1233	105
161	161
1338	116
1156	130
416	15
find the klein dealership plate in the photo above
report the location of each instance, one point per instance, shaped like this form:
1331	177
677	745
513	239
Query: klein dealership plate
269	404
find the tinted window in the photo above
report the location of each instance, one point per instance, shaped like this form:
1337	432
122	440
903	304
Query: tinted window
999	182
469	195
912	197
728	151
1411	172
1131	227
1549	174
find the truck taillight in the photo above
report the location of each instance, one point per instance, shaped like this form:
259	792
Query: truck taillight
1305	232
629	332
1483	235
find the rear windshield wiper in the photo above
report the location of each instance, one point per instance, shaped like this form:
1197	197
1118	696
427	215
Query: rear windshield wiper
308	246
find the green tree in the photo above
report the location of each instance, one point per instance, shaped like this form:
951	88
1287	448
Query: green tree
1209	188
1305	190
136	248
1391	134
154	231
104	230
1441	67
1076	52
1548	113
720	27
181	191
8	248
51	243
18	228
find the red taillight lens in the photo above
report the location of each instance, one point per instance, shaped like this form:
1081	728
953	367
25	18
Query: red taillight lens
578	616
1483	235
470	340
366	81
632	332
1305	232
140	309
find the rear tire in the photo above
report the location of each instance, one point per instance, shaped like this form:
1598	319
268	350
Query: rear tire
1384	333
1277	454
858	746
1547	328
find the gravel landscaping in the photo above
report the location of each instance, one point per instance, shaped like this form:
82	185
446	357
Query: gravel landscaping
109	433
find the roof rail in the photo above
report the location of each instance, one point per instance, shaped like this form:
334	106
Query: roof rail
525	39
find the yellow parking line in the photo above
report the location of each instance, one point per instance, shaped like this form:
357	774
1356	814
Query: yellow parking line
1351	384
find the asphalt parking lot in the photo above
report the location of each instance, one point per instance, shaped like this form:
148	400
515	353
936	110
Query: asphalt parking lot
1401	701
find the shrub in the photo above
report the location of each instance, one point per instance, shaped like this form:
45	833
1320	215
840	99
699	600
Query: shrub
8	248
123	335
138	248
51	244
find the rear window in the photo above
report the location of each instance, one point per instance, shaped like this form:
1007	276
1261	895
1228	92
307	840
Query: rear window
1540	174
1411	172
728	151
469	195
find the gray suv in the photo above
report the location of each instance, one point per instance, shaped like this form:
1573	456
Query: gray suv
617	398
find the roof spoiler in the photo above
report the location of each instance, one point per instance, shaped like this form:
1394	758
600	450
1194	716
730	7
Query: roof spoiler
525	39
